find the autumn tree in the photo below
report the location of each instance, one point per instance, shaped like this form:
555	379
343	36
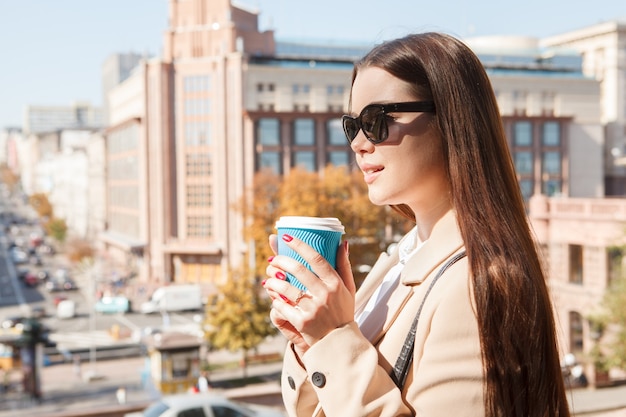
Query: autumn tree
40	203
78	249
239	320
260	209
8	177
335	192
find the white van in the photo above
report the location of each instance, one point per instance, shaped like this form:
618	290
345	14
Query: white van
174	298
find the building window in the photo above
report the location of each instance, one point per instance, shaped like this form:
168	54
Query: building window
195	83
304	132
551	134
305	159
270	160
575	264
198	165
552	163
259	87
198	195
526	187
197	133
523	133
614	261
199	227
575	332
338	158
551	188
334	130
268	132
524	162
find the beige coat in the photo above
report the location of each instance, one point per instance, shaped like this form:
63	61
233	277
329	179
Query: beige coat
347	375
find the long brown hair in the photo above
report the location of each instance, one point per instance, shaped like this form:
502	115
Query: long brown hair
514	311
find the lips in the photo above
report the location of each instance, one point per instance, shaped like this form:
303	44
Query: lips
371	172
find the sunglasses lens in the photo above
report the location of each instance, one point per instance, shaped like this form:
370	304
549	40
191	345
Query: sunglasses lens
374	124
350	127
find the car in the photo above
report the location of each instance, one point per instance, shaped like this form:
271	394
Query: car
204	405
30	279
112	305
65	284
12	322
18	255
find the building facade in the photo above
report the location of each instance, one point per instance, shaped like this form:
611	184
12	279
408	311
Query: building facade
603	50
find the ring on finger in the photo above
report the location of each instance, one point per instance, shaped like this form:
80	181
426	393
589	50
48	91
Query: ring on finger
300	296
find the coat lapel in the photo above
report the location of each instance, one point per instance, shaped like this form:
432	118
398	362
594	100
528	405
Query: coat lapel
444	240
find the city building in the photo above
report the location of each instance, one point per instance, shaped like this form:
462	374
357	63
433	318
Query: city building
44	119
222	103
189	130
603	50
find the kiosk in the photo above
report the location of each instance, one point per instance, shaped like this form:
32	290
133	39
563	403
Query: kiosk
174	361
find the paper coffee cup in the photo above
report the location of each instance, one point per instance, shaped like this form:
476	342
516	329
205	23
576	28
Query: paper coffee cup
321	233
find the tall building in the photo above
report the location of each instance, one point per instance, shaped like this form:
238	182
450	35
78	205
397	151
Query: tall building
189	131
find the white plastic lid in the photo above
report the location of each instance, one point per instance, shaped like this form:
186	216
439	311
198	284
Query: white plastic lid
302	222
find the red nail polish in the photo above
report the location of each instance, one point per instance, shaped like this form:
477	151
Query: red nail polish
284	298
280	276
263	282
270	259
287	238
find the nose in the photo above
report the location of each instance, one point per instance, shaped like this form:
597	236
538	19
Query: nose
360	144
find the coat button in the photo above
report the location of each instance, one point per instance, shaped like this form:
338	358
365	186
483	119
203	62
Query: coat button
318	379
291	382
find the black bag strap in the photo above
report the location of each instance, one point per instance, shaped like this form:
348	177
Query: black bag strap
405	358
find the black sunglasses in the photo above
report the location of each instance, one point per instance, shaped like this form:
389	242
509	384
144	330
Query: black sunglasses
373	119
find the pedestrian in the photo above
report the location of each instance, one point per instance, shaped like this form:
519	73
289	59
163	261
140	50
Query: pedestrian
426	131
203	382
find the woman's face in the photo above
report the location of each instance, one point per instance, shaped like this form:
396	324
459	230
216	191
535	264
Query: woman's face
408	168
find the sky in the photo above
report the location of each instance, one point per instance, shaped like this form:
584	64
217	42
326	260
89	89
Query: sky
51	52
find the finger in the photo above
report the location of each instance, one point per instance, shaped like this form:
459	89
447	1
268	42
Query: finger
273	243
344	269
320	266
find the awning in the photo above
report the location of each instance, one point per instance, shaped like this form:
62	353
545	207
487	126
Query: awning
121	241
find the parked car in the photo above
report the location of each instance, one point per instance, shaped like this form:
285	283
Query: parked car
55	284
112	305
204	405
18	255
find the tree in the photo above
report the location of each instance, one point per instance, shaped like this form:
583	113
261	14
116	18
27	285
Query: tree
79	249
57	228
335	192
607	325
239	320
8	177
41	204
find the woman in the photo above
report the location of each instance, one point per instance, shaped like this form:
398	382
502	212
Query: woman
427	134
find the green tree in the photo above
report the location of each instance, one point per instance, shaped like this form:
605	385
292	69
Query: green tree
608	323
239	320
57	228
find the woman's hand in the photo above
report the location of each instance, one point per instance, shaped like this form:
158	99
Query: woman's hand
305	318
